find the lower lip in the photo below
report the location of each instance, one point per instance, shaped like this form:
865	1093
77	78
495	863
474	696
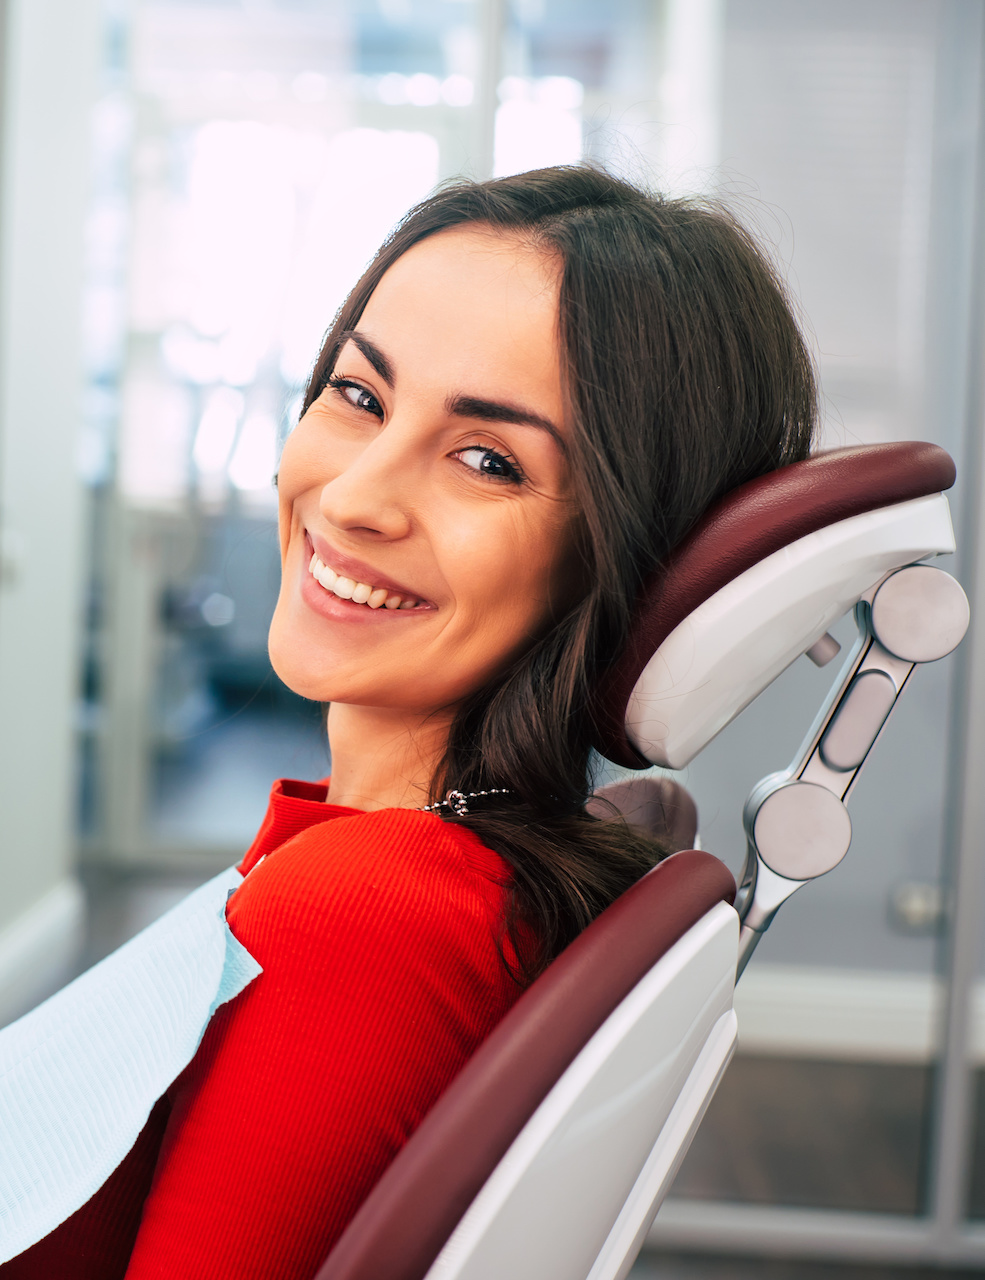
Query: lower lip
329	605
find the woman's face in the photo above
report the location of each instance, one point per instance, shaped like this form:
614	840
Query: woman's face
426	518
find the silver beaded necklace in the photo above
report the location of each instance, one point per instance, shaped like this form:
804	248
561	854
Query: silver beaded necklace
458	800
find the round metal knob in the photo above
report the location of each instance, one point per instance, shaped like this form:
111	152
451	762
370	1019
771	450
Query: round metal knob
802	830
920	613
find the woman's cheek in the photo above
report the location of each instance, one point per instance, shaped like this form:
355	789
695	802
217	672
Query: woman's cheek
295	462
300	470
285	509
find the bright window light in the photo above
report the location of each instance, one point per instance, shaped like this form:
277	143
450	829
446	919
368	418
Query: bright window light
343	229
457	90
423	90
559	91
155	430
255	456
235	231
189	357
392	89
310	86
538	124
217	429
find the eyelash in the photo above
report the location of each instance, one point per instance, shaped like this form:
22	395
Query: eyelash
514	474
340	384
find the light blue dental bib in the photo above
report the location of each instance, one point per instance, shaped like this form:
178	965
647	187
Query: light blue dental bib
81	1072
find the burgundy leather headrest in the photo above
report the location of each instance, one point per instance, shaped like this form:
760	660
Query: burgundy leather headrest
746	526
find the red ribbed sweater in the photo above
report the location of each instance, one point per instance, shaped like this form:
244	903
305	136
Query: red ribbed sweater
379	938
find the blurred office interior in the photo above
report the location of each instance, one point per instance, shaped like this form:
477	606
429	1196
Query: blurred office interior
189	188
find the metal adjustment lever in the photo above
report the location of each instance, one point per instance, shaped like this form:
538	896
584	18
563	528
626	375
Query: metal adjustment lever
797	831
796	822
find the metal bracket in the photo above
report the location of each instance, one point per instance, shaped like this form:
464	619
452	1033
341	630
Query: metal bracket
796	822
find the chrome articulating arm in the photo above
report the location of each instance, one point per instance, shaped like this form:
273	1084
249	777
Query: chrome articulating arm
796	822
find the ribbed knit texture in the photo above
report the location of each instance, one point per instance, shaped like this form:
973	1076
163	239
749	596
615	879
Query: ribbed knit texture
379	937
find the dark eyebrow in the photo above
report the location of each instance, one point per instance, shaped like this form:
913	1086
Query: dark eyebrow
494	411
372	353
462	406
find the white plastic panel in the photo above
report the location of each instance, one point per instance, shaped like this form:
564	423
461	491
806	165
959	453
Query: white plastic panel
731	647
626	1238
549	1207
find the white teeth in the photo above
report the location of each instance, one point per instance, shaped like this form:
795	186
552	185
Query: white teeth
358	592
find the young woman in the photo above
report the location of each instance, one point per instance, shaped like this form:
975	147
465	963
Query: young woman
535	390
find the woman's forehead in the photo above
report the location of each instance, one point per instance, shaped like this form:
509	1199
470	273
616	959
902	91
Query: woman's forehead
471	304
475	279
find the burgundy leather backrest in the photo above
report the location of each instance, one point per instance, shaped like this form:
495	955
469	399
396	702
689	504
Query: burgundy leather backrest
404	1223
746	526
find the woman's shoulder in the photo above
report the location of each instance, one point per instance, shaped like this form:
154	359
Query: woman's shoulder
396	844
386	867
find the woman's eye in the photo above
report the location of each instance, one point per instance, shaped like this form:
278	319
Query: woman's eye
490	463
357	396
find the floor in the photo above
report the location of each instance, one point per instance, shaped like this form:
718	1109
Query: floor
834	1135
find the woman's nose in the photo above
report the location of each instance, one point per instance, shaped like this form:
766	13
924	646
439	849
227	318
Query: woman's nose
372	493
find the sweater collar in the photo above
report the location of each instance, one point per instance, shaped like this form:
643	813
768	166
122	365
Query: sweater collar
293	807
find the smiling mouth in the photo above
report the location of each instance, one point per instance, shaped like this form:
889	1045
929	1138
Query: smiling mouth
359	592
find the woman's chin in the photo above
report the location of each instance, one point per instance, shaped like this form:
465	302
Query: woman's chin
303	672
311	673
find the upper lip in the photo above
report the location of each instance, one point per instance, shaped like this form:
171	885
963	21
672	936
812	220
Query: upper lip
358	570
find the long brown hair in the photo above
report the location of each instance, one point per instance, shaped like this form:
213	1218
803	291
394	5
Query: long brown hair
685	375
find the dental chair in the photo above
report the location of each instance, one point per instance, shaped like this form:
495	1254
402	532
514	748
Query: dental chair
551	1152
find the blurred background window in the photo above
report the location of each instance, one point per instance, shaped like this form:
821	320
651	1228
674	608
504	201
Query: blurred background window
251	159
247	159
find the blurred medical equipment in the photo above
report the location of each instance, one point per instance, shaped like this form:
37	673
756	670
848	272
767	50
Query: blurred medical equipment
549	1155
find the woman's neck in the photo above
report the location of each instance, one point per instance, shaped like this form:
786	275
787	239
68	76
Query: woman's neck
383	759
